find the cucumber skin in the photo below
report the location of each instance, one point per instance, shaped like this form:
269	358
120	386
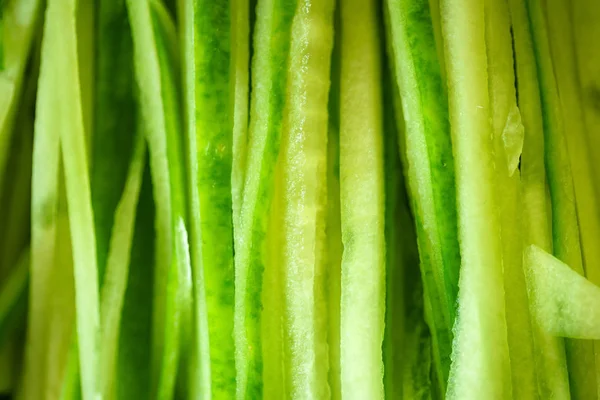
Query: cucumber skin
565	229
271	47
425	108
214	99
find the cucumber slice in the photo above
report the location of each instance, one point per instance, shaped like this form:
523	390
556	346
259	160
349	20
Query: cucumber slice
362	203
258	231
565	229
508	133
117	268
13	291
211	72
549	351
565	303
156	71
61	54
571	99
304	163
426	142
480	361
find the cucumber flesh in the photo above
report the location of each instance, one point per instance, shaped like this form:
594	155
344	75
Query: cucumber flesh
362	203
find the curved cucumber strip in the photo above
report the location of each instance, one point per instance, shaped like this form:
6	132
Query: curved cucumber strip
304	171
565	303
571	99
13	289
480	363
62	29
430	166
549	351
269	68
211	103
508	136
117	267
565	229
362	203
153	37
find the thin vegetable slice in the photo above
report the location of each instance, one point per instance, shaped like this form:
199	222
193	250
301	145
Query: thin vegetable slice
258	218
153	37
117	268
211	103
480	364
426	142
362	203
12	291
549	351
565	303
508	136
565	228
303	171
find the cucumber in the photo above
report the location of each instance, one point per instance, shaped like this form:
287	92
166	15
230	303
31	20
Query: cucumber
258	231
480	360
333	225
211	71
154	36
21	20
565	229
12	293
304	160
561	38
362	203
566	304
69	123
428	149
508	134
135	333
117	268
549	351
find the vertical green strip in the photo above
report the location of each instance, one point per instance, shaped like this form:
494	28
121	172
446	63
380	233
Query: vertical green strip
214	102
508	143
480	361
565	229
549	351
304	158
258	239
362	202
430	170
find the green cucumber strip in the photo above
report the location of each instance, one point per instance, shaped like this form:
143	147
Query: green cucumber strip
153	32
480	359
407	345
304	160
135	333
211	104
362	203
240	54
1	36
115	119
20	22
561	38
12	290
117	268
586	34
199	367
565	303
333	273
85	16
44	216
508	134
430	166
60	17
565	229
257	230
549	351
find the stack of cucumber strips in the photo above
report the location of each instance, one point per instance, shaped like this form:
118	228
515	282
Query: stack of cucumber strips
299	199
